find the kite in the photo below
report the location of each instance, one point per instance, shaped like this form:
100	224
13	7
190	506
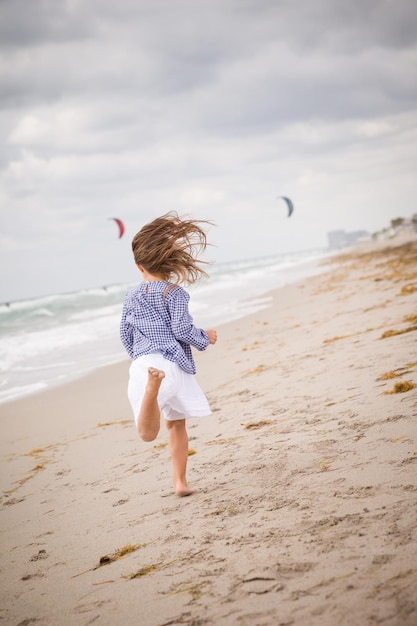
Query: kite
120	225
289	204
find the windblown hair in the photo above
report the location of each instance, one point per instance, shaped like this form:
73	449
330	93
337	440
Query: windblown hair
169	246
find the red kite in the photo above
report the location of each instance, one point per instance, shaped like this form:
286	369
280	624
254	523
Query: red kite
120	225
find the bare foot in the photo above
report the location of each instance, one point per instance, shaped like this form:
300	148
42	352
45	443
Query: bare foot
155	378
182	490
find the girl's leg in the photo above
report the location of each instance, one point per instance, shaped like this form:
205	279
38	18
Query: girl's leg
149	416
178	445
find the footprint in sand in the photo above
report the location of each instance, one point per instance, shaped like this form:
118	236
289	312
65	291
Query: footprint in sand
30	576
13	501
93	606
39	556
120	502
260	585
381	559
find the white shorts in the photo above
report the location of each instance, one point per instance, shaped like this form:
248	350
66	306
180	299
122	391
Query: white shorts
179	397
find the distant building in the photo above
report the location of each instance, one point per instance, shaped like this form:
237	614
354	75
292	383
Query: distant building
342	239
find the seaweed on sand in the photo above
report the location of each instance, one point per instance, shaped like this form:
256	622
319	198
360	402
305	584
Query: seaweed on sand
148	569
143	571
39	454
401	387
392	333
256	425
399	371
391	263
406	290
109	558
388	375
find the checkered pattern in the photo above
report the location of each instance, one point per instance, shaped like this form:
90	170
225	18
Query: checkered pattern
155	318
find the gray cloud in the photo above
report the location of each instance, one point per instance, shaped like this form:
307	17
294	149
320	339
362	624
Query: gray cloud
210	108
27	24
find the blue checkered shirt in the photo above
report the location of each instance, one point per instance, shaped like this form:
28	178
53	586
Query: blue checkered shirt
155	318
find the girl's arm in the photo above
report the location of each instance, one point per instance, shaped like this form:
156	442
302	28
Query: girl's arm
126	330
182	323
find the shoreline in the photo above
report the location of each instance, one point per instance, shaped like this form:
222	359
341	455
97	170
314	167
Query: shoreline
241	307
305	474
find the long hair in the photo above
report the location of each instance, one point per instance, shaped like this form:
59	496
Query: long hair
169	247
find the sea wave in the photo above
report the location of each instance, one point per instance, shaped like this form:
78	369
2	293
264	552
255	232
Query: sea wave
48	340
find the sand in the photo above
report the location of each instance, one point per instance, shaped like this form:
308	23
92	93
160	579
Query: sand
306	503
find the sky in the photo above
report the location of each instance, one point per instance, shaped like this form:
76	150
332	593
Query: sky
211	108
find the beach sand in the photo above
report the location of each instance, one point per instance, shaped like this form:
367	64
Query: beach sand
306	503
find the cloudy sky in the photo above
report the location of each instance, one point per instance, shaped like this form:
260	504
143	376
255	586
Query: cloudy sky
212	108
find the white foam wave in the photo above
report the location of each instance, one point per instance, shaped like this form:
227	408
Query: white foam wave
50	339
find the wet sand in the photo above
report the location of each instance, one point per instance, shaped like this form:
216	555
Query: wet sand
306	493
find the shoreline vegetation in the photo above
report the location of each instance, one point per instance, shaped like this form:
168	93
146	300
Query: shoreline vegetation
305	503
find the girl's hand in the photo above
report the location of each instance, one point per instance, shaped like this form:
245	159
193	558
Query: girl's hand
212	335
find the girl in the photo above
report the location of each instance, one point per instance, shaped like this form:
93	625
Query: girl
157	331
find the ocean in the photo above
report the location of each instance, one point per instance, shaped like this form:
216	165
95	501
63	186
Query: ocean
49	340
